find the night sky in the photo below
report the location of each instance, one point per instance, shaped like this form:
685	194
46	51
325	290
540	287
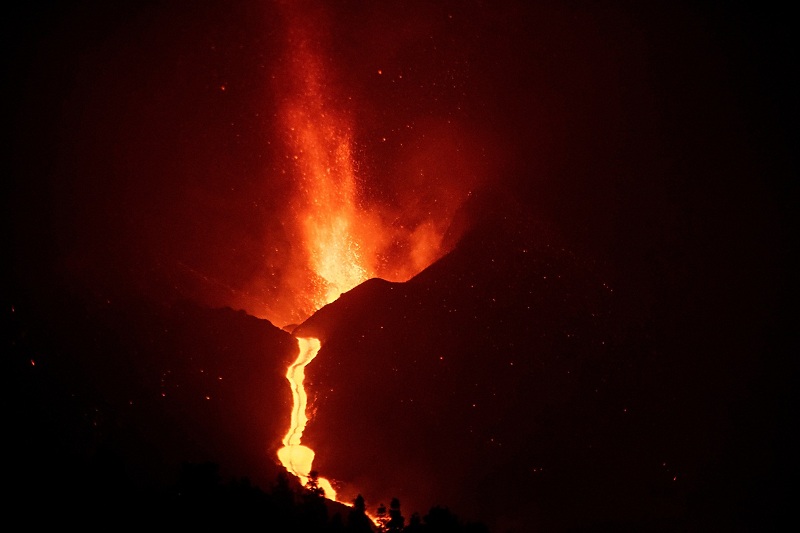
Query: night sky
606	344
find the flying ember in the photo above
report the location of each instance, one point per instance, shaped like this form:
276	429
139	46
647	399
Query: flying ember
327	218
342	240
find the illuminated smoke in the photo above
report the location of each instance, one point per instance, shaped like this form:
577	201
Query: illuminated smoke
333	232
338	239
354	210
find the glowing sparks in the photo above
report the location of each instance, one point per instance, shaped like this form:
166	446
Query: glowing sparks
334	230
337	231
342	239
329	222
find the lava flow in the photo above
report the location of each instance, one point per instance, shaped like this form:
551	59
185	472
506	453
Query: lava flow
294	456
341	239
326	215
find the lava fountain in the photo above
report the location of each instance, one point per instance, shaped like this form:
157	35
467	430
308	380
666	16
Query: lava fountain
339	240
328	221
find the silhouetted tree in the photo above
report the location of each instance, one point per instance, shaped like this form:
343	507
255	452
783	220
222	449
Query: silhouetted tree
396	521
282	492
382	518
313	510
201	501
281	504
414	524
312	486
357	520
441	520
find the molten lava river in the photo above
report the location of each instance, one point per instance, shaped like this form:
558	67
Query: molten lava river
342	240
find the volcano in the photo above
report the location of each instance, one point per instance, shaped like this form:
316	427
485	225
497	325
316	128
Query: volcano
481	381
507	381
544	247
479	361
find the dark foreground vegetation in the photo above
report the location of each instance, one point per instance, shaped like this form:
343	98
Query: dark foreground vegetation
202	500
201	495
108	453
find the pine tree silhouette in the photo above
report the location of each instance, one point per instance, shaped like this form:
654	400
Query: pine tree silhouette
357	520
313	510
396	522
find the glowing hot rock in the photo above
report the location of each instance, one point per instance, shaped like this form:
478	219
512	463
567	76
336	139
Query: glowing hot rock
295	457
341	239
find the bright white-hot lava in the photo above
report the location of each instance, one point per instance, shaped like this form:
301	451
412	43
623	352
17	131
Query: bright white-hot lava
295	457
339	240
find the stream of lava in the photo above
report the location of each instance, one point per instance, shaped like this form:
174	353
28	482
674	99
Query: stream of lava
295	457
342	239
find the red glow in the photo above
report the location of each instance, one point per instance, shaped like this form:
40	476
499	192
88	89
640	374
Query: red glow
347	218
341	239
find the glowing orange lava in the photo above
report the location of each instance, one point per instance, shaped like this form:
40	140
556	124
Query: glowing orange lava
336	235
339	240
295	457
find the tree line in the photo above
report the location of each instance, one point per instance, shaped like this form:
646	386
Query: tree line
202	499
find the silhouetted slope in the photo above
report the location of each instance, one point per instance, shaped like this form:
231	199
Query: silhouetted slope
512	381
106	396
416	382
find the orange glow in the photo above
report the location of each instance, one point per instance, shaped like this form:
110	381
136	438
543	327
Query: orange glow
341	226
295	457
328	215
338	238
332	231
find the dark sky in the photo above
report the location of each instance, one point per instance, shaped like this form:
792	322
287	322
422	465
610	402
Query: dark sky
631	129
146	155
